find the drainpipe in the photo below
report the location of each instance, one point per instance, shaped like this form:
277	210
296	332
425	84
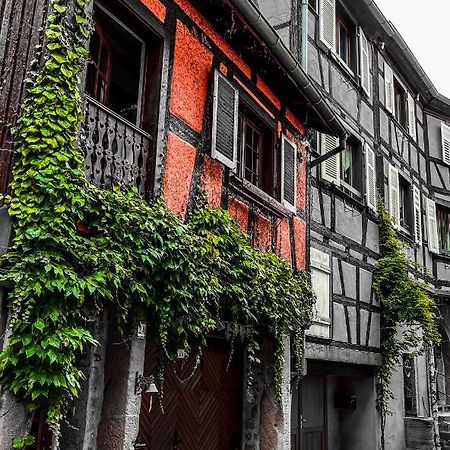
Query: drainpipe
304	35
291	65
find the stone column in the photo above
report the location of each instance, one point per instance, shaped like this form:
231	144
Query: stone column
80	431
119	424
266	425
15	420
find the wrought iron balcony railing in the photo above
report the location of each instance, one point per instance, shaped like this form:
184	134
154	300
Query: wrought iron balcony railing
116	151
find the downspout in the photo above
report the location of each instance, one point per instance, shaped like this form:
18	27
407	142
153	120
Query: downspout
328	155
291	65
304	35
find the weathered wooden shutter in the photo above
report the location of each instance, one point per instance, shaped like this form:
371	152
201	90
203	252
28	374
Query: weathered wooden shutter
445	132
394	196
289	173
412	117
225	121
331	168
388	88
417	216
433	238
327	23
364	62
371	181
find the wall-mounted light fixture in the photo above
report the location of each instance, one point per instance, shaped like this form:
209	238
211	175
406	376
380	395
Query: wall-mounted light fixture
145	385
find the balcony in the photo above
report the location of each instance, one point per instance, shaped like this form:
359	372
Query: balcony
116	151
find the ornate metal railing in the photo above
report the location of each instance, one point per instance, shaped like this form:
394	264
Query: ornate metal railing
116	151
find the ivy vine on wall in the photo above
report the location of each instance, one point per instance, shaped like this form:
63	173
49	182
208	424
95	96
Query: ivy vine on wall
136	256
408	321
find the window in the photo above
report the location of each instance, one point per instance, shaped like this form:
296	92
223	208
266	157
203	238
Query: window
114	77
351	167
255	156
409	385
400	111
122	87
443	217
244	140
345	168
320	279
338	32
405	204
345	37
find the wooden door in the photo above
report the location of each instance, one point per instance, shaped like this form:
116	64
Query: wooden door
313	433
200	410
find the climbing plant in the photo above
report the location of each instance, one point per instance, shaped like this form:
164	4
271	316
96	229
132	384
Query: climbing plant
408	322
77	249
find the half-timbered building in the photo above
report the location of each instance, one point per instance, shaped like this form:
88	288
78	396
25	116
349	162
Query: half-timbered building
182	98
397	153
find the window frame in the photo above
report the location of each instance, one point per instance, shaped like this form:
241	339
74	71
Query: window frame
443	210
259	120
406	206
342	19
400	112
143	62
356	168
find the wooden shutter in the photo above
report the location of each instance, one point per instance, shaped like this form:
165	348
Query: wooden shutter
331	168
445	132
225	121
417	216
433	238
289	173
327	23
412	117
394	196
388	88
364	62
371	181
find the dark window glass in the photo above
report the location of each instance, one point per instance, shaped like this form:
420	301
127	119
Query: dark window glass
345	38
400	103
405	204
114	75
444	229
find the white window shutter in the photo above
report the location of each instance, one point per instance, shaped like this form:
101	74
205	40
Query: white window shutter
289	174
388	88
327	23
364	62
394	196
433	238
331	168
225	121
445	132
417	216
412	127
371	180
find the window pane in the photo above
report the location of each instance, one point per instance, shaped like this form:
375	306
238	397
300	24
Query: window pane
347	163
444	229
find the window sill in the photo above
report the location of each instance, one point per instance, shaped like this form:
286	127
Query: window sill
254	194
342	64
403	128
406	235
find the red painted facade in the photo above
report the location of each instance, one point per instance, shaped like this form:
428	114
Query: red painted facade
187	167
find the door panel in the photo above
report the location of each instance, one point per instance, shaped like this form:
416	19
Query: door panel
313	413
201	412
